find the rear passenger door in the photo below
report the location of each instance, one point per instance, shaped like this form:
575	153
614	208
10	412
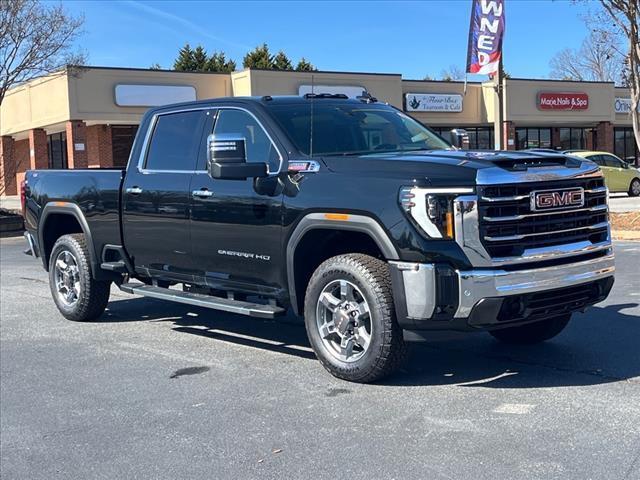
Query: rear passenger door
156	196
617	175
236	226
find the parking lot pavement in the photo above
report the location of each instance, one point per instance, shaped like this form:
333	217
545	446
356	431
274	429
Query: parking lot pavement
158	390
621	203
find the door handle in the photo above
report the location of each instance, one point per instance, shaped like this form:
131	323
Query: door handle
203	193
134	190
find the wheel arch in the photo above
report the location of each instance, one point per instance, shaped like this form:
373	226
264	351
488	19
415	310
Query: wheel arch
363	231
62	218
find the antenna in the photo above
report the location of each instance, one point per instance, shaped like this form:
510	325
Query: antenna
311	119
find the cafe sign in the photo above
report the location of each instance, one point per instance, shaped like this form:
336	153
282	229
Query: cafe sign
433	102
563	101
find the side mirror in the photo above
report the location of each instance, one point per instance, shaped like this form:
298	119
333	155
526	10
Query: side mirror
227	159
460	138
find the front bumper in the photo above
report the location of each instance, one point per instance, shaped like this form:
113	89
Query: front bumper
492	298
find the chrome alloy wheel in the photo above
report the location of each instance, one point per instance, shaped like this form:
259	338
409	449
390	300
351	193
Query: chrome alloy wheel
344	321
635	188
67	277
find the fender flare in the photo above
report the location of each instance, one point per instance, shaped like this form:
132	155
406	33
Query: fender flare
327	220
67	208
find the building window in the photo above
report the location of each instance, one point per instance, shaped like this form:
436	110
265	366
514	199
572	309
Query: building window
573	138
121	143
57	143
533	138
480	138
625	145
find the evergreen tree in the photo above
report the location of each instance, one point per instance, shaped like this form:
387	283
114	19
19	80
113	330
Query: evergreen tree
200	59
259	57
304	66
218	63
185	61
282	62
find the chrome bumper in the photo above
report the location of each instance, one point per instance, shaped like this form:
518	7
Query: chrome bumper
418	284
478	284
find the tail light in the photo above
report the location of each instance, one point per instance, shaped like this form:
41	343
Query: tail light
23	195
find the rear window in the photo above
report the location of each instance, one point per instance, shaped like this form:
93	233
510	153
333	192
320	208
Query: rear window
175	141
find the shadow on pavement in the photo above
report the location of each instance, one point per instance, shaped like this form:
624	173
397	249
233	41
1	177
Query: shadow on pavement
599	346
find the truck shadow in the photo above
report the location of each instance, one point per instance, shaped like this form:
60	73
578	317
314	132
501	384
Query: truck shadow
599	346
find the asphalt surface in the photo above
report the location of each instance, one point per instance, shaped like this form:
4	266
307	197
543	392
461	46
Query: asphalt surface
164	391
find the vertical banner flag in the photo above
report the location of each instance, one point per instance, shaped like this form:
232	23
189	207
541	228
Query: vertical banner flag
485	36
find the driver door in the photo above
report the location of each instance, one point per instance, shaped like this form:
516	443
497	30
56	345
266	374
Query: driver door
236	227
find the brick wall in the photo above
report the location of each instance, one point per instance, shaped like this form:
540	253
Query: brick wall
76	144
509	132
605	136
38	149
99	147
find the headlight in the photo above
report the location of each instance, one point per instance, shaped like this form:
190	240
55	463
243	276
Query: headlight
432	209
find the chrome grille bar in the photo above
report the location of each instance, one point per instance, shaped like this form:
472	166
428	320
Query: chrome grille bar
511	218
597	226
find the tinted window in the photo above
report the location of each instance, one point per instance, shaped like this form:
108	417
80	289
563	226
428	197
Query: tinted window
175	141
596	158
353	128
612	161
258	145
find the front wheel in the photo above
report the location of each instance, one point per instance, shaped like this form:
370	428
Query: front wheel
532	333
634	188
77	294
350	318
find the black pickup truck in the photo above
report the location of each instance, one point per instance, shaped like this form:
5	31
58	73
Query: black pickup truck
347	212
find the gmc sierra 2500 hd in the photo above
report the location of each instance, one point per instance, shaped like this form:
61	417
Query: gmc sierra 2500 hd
347	211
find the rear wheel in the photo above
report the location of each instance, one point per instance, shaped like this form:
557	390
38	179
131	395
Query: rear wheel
634	188
77	295
532	333
350	318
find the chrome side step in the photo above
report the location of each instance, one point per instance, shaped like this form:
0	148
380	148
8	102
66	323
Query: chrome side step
215	303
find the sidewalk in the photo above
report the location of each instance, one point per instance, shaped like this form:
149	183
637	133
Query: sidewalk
11	203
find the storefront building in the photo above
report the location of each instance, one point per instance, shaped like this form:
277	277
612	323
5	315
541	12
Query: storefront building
88	116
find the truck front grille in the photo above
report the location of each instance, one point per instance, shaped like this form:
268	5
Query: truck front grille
508	226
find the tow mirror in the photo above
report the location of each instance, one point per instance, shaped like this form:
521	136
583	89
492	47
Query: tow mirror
227	158
460	138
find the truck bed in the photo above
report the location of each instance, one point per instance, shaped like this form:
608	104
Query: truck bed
96	192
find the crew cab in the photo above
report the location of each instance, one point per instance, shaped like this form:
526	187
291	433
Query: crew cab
346	211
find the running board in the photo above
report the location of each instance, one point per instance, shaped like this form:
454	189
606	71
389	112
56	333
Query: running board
206	301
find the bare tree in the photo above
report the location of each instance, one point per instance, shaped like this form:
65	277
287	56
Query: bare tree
35	39
621	19
452	73
597	59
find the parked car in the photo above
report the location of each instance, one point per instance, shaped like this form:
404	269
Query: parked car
619	175
348	212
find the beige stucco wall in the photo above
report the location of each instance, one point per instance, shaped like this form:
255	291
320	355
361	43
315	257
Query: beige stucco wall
39	103
92	95
241	83
521	103
386	88
473	108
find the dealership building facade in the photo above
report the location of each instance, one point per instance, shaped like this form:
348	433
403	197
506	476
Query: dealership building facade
88	116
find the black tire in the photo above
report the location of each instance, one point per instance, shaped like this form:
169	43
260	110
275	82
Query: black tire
386	350
93	295
634	188
532	333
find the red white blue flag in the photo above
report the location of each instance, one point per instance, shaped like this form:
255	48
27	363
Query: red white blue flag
485	36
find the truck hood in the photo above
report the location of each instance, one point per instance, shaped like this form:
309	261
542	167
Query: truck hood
463	167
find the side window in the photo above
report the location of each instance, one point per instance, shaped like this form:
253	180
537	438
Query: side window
175	141
258	145
611	161
597	159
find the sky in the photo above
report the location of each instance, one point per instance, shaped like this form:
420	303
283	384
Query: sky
414	39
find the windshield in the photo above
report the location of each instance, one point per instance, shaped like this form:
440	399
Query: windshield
353	129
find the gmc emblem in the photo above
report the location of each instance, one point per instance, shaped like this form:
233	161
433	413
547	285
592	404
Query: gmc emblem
554	199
